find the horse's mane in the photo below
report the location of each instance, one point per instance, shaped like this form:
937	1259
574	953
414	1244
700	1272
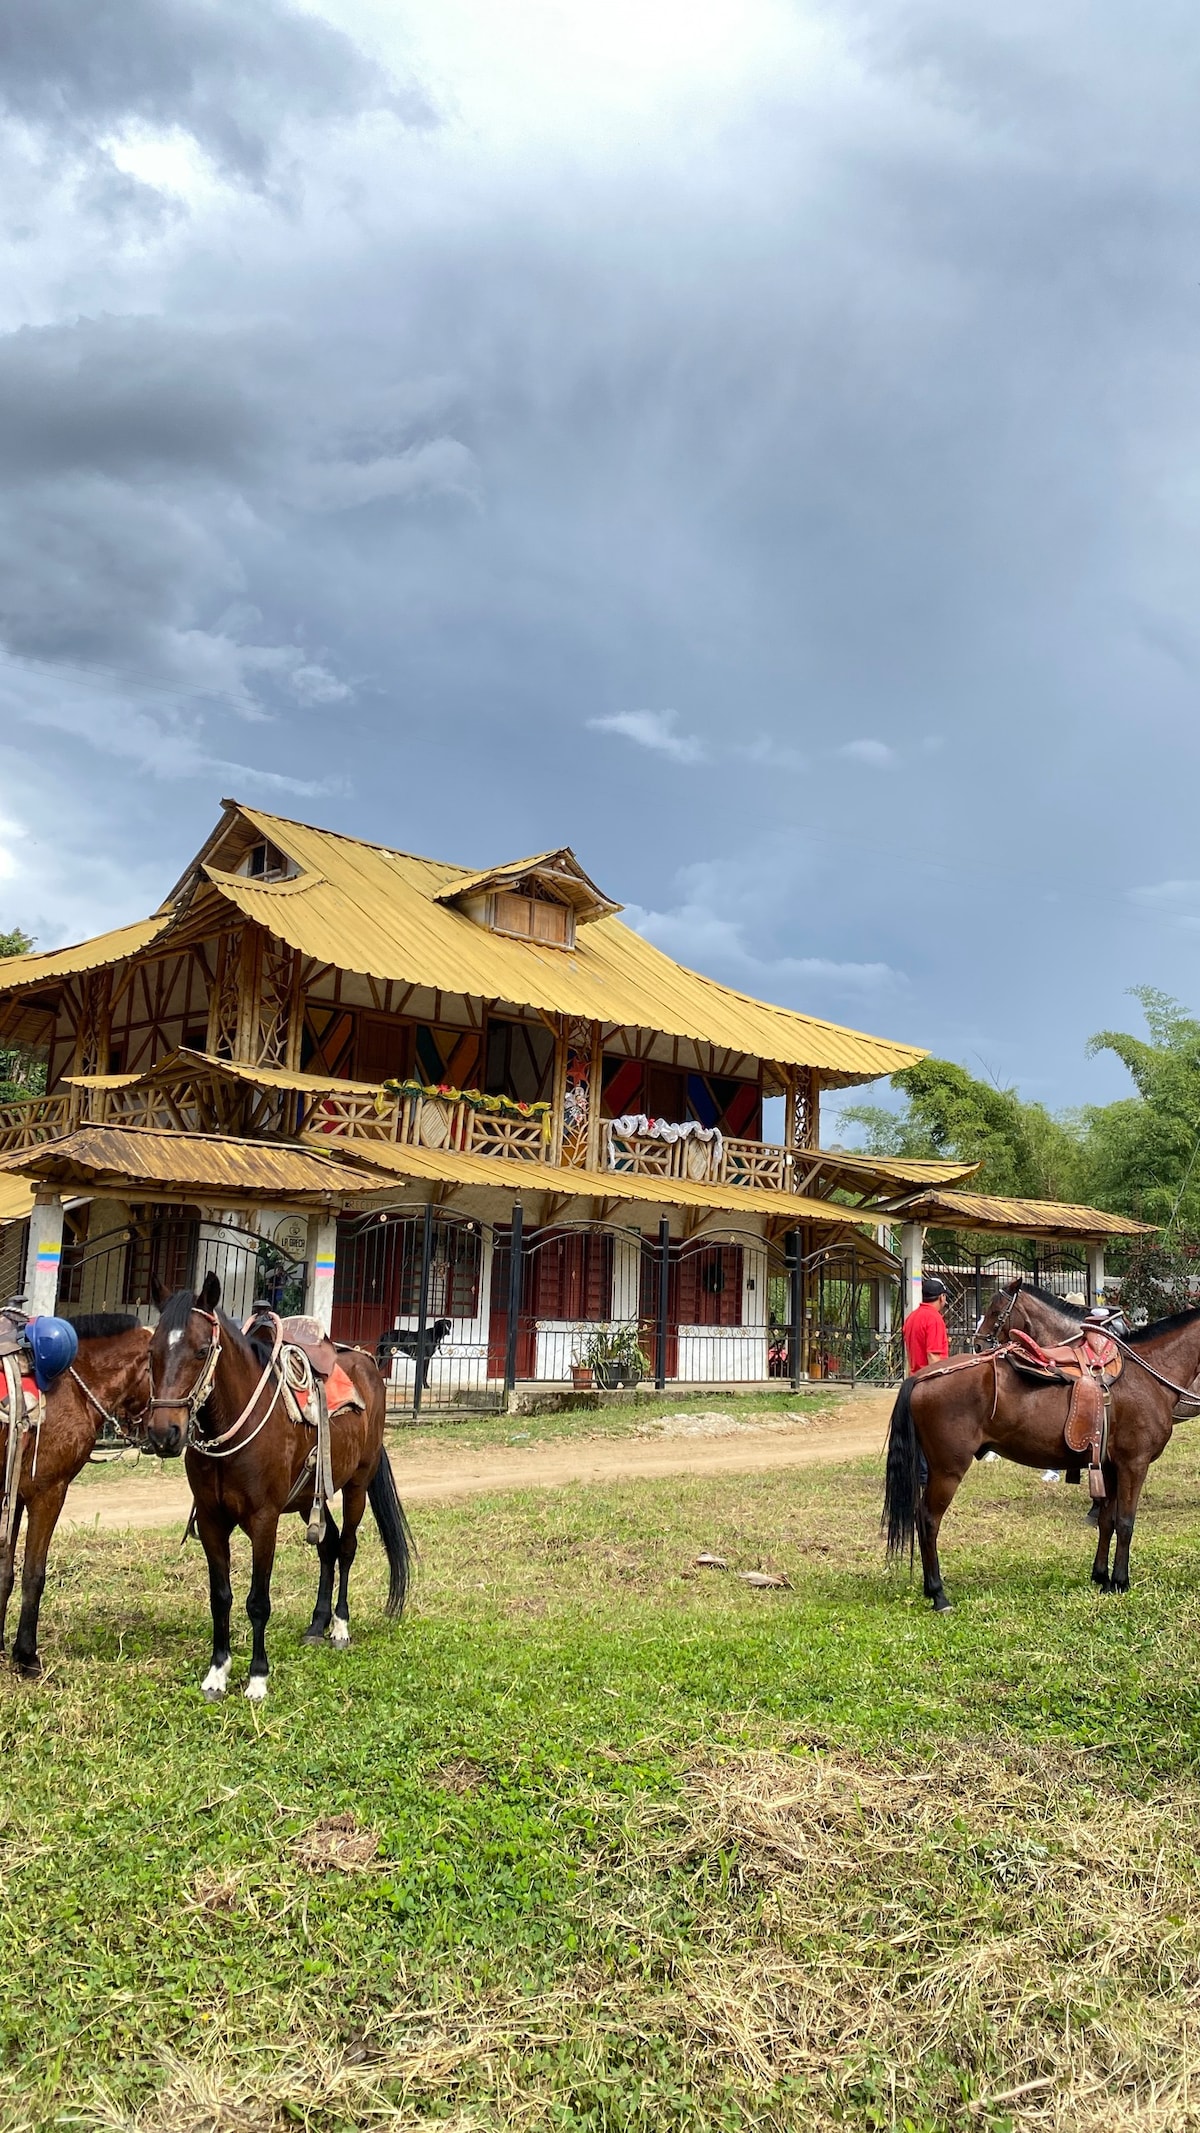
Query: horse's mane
103	1325
1048	1297
1174	1324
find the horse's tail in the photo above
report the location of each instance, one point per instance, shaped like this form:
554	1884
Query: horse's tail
393	1532
904	1484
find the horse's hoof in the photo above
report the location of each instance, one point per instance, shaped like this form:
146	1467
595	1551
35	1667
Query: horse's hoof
28	1669
1100	1578
313	1635
256	1688
339	1635
941	1605
1093	1517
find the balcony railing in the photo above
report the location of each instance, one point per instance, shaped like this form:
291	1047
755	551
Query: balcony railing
34	1119
430	1122
194	1104
757	1165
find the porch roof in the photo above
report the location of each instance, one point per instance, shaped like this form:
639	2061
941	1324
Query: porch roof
1013	1218
451	1166
138	1158
16	1199
834	1169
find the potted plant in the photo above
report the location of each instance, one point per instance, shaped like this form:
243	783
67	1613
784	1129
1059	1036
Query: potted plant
581	1372
615	1357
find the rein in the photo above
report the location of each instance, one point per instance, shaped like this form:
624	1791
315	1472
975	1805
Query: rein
1182	1392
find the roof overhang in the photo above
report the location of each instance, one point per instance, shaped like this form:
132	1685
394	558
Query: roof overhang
1056	1220
141	1163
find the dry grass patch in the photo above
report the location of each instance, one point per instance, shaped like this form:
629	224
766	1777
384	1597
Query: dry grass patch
984	1936
337	1843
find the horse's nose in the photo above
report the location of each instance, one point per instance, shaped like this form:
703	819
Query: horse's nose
166	1439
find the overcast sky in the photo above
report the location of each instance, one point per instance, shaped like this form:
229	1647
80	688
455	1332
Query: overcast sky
752	441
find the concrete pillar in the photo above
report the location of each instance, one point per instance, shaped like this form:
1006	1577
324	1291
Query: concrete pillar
1095	1268
322	1252
912	1250
44	1254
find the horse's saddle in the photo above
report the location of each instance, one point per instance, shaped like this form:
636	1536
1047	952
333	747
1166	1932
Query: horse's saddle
310	1334
14	1336
1090	1364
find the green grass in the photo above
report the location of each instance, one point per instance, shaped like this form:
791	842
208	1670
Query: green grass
624	1844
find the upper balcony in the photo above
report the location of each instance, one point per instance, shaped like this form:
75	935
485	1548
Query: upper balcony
211	1096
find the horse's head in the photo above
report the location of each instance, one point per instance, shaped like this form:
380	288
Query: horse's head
1000	1316
114	1366
183	1358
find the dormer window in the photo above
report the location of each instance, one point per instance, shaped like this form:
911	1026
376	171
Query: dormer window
265	862
530	915
542	900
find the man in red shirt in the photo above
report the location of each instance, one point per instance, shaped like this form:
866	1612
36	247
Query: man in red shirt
925	1337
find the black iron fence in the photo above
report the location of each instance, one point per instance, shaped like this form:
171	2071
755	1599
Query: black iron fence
973	1278
461	1311
115	1270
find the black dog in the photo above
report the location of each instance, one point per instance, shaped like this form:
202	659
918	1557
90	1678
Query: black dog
409	1343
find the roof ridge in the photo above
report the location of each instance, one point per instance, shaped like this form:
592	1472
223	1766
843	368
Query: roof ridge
370	844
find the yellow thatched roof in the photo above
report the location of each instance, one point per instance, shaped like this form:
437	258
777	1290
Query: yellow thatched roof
364	908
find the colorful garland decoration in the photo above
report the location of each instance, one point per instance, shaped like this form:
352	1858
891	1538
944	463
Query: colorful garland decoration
476	1100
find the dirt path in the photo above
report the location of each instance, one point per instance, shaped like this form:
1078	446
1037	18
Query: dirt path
853	1430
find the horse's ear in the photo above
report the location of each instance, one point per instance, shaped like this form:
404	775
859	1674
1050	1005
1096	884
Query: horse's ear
1014	1287
210	1294
158	1294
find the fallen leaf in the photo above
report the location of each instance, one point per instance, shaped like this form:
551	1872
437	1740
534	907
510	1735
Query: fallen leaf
765	1577
711	1562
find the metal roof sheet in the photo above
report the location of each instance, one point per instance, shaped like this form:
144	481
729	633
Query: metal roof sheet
450	1166
836	1166
22	970
16	1198
1017	1218
192	1162
365	908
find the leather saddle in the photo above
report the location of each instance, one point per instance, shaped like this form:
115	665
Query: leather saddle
1090	1365
13	1338
310	1334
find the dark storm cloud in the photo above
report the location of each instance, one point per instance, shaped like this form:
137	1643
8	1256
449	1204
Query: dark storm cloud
790	505
230	74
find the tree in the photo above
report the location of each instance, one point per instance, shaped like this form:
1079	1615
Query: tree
22	1073
1142	1153
1023	1149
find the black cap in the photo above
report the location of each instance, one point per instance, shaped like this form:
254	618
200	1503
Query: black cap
932	1286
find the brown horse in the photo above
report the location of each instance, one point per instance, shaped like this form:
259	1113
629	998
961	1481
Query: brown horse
109	1381
1022	1307
218	1398
940	1423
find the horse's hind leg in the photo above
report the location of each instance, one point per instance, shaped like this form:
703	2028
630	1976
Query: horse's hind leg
328	1554
1130	1482
1106	1514
8	1572
43	1517
940	1491
354	1503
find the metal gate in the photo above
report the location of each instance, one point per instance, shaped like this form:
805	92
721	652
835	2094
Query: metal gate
176	1247
972	1278
412	1285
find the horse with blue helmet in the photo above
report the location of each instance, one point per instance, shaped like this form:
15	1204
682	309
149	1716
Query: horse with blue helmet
58	1383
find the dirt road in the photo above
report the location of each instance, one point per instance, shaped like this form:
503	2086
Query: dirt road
855	1429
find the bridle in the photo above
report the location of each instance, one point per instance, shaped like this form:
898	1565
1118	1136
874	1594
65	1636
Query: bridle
118	1422
194	1399
1002	1323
